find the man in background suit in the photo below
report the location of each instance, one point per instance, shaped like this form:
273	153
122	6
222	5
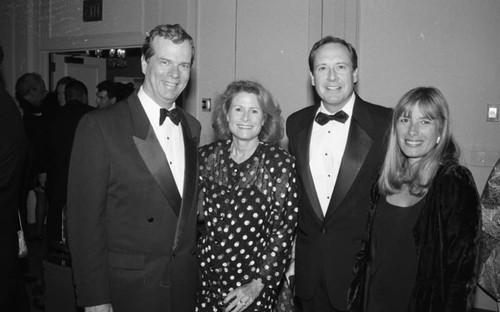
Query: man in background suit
60	140
339	147
132	191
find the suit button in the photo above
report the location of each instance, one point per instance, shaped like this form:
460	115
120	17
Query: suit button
324	231
151	220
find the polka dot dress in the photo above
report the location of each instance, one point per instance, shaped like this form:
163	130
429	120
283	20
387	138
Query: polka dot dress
250	212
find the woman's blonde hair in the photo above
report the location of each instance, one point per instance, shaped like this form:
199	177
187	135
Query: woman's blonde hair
396	170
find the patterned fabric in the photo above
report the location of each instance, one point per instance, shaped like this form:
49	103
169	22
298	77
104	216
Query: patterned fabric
250	212
285	301
489	278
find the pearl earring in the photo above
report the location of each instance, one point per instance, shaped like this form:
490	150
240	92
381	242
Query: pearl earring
438	139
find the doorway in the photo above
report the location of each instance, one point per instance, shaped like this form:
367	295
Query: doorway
94	66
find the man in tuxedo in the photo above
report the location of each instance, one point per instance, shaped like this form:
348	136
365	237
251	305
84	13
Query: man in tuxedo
339	147
132	190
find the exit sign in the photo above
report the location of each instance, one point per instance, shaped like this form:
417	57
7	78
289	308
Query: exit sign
92	10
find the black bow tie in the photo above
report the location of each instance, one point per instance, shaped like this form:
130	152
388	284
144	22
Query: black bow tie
339	116
173	114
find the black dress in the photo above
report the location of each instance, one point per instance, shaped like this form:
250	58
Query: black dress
395	257
250	212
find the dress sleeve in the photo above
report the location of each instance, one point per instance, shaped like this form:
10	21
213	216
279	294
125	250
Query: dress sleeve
460	223
357	290
283	217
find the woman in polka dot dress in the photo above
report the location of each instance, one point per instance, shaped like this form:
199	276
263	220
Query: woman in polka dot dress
249	203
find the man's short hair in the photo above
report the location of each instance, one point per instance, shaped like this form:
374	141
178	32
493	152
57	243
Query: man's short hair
174	33
124	90
110	87
26	83
331	39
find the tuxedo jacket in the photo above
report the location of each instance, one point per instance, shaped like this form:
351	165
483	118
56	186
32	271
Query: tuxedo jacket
326	245
132	236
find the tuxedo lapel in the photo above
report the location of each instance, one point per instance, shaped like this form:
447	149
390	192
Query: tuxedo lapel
149	148
357	148
302	148
190	177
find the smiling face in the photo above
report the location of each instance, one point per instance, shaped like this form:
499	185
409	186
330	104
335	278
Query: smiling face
245	117
167	70
333	75
416	134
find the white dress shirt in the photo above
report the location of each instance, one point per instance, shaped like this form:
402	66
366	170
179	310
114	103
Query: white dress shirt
325	152
170	137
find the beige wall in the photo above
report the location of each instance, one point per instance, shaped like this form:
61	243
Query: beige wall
14	36
451	44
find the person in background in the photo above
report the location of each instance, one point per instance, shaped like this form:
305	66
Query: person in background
124	90
30	92
249	203
421	248
489	259
54	100
106	93
339	147
60	140
60	89
132	190
13	149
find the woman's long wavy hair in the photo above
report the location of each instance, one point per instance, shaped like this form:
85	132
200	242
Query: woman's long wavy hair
396	170
272	130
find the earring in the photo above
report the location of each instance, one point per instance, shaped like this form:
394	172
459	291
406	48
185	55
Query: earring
438	139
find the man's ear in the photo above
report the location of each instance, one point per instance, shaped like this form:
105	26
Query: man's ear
355	75
312	79
144	64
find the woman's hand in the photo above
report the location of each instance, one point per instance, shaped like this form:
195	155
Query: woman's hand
240	298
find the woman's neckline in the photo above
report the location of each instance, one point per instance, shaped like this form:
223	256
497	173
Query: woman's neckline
239	155
404	199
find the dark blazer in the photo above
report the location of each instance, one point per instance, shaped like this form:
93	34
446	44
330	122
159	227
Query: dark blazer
13	148
60	140
327	245
130	246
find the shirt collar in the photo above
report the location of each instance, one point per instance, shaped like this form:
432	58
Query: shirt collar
148	101
348	108
151	108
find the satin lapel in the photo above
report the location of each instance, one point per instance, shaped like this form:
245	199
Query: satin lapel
152	154
190	178
303	142
358	146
